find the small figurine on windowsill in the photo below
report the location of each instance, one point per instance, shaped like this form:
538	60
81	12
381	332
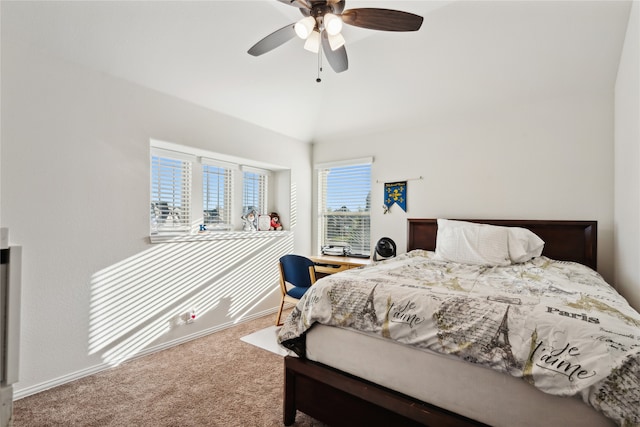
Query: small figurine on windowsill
250	221
275	221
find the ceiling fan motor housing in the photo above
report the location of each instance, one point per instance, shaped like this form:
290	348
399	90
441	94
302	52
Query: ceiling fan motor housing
320	8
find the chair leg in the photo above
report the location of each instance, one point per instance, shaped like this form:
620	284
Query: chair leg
280	313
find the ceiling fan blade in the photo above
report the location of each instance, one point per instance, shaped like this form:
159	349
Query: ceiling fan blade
297	3
382	19
273	40
337	58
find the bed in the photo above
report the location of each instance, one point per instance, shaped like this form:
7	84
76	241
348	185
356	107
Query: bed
345	377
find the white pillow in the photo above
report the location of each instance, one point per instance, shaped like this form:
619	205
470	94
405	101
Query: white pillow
524	244
470	243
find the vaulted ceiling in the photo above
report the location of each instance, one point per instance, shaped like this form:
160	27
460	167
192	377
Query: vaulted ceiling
468	55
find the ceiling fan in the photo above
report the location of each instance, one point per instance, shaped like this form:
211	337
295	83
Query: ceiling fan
322	26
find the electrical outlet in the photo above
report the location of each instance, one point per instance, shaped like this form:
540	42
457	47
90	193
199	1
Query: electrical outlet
191	316
183	319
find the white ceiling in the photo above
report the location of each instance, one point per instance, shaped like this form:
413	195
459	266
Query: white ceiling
467	55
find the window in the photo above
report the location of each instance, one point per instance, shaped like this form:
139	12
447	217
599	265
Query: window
254	191
217	185
193	191
344	192
170	194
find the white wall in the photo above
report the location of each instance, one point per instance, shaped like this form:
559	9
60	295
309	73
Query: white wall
544	160
627	164
75	194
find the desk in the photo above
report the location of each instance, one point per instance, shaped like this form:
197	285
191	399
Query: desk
328	264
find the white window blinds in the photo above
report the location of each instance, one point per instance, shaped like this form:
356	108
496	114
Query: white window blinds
170	194
216	199
345	205
254	191
194	194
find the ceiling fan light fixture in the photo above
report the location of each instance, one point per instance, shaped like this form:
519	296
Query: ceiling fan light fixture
305	26
313	42
336	41
332	24
324	19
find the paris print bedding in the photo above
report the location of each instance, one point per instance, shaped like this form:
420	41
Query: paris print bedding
557	325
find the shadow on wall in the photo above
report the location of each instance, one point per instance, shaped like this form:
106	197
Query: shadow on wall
136	301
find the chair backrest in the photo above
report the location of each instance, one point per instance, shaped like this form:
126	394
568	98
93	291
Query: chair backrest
295	269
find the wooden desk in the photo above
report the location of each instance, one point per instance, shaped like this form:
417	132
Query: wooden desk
328	264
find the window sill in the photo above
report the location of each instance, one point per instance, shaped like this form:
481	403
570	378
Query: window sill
215	235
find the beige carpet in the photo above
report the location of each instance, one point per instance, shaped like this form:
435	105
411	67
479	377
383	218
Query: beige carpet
217	380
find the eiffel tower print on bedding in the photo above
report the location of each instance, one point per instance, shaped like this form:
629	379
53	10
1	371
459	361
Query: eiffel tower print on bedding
555	324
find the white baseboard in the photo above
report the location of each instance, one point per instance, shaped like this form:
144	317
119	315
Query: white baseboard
38	388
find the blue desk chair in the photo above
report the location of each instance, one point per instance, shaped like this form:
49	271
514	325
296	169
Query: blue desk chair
297	274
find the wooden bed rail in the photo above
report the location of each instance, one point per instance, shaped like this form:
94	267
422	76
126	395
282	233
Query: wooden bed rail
342	400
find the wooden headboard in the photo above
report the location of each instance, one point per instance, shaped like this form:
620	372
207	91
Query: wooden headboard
563	240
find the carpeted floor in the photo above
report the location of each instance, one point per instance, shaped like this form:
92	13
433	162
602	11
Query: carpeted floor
217	380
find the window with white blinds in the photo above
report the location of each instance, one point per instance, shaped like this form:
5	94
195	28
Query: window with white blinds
345	206
254	191
216	197
192	194
170	194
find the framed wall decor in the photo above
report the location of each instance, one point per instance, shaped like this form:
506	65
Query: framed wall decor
264	222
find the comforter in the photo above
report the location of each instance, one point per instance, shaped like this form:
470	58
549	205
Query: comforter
557	325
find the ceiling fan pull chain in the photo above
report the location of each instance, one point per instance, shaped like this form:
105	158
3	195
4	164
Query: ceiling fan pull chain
318	79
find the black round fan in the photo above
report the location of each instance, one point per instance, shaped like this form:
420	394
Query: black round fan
385	248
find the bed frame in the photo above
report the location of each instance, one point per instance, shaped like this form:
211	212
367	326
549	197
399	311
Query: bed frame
563	240
339	399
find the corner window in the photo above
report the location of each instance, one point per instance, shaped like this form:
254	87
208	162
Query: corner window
344	218
193	193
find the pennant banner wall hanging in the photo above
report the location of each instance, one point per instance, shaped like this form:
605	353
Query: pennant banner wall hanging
395	192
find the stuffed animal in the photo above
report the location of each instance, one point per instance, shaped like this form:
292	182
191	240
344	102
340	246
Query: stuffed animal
275	222
250	221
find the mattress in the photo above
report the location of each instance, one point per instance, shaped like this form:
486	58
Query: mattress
473	391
